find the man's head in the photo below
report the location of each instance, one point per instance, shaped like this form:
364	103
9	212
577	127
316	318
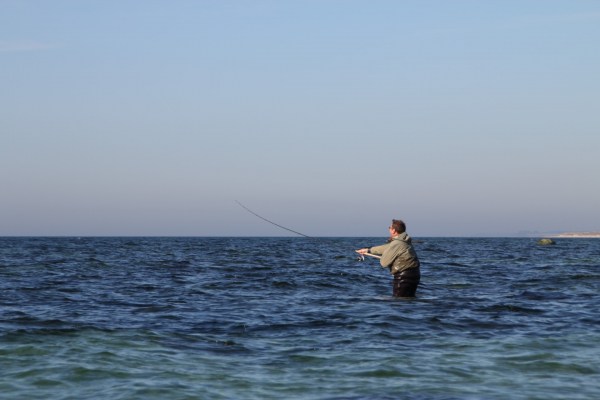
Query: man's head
398	225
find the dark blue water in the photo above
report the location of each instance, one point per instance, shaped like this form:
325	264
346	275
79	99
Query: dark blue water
297	318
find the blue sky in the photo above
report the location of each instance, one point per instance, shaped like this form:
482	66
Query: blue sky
464	118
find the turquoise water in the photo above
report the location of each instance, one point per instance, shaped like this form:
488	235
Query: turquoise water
298	318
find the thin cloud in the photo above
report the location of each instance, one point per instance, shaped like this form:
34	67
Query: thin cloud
13	46
568	18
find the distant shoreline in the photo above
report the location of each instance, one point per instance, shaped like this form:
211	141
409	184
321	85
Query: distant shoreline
583	235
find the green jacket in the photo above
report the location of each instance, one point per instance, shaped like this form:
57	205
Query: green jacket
398	255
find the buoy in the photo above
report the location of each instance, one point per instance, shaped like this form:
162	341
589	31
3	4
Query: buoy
546	242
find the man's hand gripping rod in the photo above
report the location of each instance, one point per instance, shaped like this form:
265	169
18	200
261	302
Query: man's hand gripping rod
362	256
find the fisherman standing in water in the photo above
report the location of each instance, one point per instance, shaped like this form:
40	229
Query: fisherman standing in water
400	257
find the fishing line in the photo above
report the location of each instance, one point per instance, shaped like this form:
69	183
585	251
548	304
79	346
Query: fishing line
271	222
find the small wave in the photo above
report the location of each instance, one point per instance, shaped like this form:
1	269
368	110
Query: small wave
512	309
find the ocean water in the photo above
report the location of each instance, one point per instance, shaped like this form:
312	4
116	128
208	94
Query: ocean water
296	318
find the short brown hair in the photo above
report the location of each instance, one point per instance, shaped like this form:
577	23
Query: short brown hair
398	225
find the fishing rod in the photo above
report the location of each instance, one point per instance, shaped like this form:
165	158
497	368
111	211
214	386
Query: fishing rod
361	258
271	222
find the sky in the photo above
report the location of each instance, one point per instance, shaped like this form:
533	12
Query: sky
329	117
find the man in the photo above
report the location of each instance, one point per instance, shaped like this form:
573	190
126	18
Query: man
400	257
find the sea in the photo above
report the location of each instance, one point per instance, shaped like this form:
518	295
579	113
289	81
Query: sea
296	318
